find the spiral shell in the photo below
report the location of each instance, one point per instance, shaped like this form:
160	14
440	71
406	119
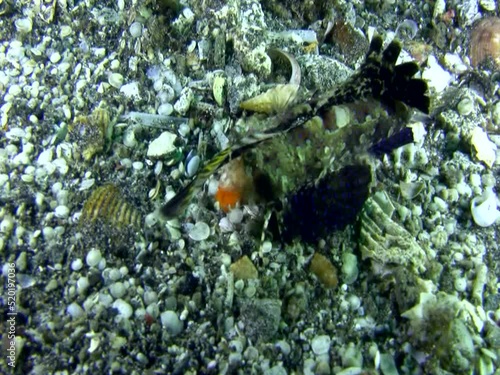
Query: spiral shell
107	204
485	41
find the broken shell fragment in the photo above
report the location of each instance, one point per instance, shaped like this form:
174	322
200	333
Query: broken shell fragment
410	190
281	96
485	150
278	56
218	89
273	100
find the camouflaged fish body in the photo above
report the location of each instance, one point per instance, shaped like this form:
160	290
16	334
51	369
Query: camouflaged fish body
301	149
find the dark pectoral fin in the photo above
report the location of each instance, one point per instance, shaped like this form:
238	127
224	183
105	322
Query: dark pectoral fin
331	204
386	145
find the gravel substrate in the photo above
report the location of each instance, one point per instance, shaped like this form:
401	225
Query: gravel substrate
108	108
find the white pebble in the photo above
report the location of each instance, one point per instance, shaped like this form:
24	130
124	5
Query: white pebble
131	90
137	165
24	25
62	212
184	130
475	180
55	57
225	225
162	145
113	274
435	75
200	231
65	31
77	264
93	257
48	233
124	308
3	179
115	80
184	102
135	30
75	310
354	301
15	133
460	284
165	109
235	215
117	289
82	284
129	138
123	271
193	165
45	156
150	297
171	322
15	90
321	344
87	184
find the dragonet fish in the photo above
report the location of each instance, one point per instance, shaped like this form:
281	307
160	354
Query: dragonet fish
322	172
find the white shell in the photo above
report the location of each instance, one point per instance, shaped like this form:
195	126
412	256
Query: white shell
24	25
484	209
193	165
200	231
115	80
484	148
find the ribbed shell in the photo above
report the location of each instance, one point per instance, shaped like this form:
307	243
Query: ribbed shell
107	203
485	41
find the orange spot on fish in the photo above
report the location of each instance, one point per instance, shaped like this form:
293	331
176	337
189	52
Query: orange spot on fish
227	198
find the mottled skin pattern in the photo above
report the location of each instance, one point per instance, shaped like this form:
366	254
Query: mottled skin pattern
300	147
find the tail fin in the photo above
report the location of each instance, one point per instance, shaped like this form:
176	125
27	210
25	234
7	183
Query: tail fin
397	82
379	77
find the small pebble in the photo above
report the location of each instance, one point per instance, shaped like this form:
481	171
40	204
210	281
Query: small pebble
117	289
284	347
24	25
321	344
235	216
138	165
55	57
77	264
200	231
62	212
82	284
460	284
162	145
93	257
465	107
135	29
165	109
171	322
115	80
75	311
114	274
124	308
150	297
193	165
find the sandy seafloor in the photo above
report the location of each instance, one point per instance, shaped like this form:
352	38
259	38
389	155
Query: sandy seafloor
85	89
